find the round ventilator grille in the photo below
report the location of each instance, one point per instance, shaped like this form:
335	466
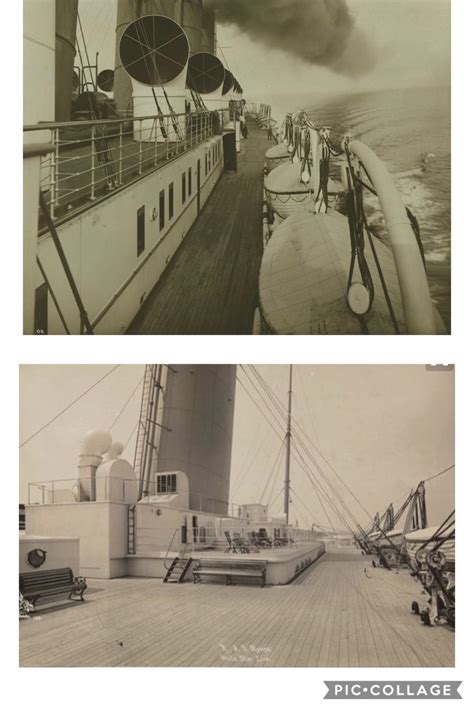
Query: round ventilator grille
154	50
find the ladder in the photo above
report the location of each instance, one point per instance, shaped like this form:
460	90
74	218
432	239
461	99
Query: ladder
143	422
131	529
177	570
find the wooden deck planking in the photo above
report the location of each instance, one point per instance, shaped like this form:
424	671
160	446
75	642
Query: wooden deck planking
211	284
335	616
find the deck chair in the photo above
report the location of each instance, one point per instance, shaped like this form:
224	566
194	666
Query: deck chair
263	538
254	545
254	541
240	544
230	543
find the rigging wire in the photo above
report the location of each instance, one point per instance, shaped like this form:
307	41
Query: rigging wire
276	497
130	436
310	513
297	429
125	404
272	471
275	479
246	468
65	409
293	456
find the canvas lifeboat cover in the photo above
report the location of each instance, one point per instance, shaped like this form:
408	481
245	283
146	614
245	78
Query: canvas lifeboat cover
415	539
303	279
278	151
286	178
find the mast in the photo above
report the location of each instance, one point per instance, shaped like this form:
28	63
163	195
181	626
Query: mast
288	451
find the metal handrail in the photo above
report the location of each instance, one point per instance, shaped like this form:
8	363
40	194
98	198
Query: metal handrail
110	153
128	485
50	125
169	548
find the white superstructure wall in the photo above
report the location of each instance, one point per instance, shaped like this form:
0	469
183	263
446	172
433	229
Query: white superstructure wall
38	63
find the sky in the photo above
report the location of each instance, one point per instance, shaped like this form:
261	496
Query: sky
382	428
411	38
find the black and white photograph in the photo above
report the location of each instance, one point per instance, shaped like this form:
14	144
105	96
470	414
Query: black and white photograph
237	167
237	516
254	523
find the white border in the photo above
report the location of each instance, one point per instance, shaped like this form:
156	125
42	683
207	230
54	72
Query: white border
229	689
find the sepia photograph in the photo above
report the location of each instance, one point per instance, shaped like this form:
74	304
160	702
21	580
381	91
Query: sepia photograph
237	167
237	516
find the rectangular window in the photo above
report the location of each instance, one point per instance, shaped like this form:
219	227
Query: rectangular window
166	484
140	230
170	201
41	309
183	187
162	209
190	182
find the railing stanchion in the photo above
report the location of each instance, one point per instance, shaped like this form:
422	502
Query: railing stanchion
93	163
155	127
120	153
140	148
52	174
56	168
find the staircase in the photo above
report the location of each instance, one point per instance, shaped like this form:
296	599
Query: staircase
177	570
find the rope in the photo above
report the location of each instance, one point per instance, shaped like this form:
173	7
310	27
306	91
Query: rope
125	405
65	409
355	214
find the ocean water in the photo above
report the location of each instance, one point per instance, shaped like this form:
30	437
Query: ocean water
410	130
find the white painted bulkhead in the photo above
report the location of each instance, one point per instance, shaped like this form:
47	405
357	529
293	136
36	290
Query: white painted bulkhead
61	552
100	242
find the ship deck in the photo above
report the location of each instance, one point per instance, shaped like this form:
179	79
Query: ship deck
211	284
341	612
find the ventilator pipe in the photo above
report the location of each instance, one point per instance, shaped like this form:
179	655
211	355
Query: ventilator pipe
416	299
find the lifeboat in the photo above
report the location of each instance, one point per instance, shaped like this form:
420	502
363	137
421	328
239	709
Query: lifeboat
276	155
326	273
424	537
286	191
303	280
432	554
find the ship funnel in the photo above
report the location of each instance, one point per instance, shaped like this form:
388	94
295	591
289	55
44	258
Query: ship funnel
191	21
205	73
208	30
66	22
196	433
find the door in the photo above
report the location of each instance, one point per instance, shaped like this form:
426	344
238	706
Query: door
230	153
199	186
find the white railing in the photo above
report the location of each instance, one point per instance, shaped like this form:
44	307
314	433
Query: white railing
118	490
187	539
94	158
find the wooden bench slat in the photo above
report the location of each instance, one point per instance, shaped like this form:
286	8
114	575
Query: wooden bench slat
50	582
215	571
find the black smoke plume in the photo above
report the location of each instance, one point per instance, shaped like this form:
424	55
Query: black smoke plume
317	31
